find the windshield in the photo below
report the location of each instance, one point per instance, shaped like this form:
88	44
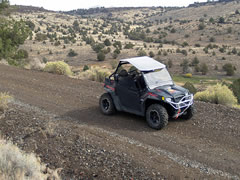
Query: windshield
158	78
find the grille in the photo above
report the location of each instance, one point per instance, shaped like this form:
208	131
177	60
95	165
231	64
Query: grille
177	99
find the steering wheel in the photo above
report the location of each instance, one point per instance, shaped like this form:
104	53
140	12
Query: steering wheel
134	74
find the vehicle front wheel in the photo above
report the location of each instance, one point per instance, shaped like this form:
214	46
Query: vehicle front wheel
188	114
106	104
157	116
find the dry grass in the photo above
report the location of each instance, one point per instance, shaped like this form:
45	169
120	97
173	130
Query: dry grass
95	73
4	100
218	94
16	164
114	64
36	64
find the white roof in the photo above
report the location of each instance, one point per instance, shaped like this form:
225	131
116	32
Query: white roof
144	63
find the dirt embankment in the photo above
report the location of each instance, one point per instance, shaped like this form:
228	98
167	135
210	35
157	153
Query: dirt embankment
58	118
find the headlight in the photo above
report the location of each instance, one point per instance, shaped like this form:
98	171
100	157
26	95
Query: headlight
168	99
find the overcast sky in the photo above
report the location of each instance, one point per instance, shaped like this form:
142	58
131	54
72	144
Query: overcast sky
65	5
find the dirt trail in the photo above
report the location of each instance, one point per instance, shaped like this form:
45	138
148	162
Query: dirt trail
205	146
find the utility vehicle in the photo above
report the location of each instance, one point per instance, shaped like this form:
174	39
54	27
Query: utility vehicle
143	86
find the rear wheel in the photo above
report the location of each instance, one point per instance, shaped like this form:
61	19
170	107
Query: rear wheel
106	104
157	116
188	114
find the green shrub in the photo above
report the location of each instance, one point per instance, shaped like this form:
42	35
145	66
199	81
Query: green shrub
97	47
141	53
201	26
190	87
197	45
170	63
45	60
222	49
229	68
184	52
236	89
4	5
114	55
30	24
234	51
204	68
107	42
205	50
101	56
184	44
221	20
72	53
185	65
217	94
117	51
88	39
195	61
12	35
16	62
41	37
151	54
173	30
212	39
58	67
129	46
118	45
21	54
211	20
85	68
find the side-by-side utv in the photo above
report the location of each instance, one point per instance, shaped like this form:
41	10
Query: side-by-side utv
143	86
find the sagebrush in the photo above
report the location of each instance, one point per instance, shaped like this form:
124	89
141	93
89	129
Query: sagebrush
190	87
58	67
218	94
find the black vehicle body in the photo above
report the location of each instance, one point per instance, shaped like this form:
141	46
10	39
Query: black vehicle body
130	92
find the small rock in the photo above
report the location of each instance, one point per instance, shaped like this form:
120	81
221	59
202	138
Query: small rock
95	175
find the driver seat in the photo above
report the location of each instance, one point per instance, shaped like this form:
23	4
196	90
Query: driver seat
123	73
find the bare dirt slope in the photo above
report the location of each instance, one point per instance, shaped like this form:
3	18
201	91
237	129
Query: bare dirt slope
120	146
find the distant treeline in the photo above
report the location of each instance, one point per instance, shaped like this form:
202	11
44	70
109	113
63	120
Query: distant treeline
29	9
100	10
197	4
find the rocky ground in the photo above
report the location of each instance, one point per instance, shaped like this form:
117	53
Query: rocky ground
58	118
79	154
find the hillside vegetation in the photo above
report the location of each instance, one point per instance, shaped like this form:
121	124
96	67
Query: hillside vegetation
200	40
12	34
